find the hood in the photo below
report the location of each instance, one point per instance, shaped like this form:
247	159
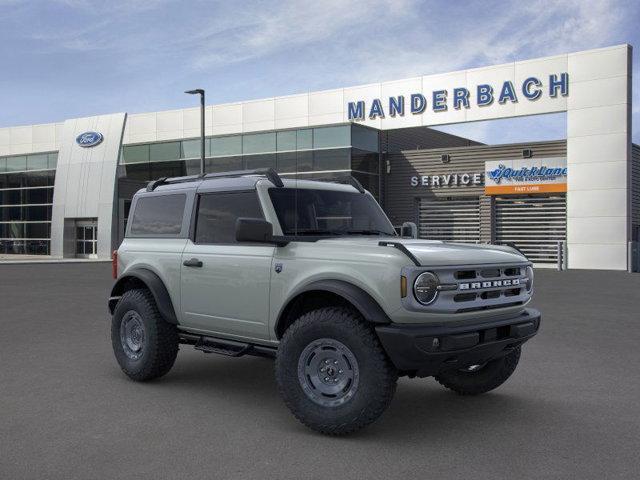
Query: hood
437	253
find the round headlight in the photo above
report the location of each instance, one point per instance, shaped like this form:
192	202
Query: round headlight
529	280
425	288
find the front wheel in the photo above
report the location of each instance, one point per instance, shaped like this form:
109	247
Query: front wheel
332	372
477	379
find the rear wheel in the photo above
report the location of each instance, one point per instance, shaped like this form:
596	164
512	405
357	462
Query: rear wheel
477	379
144	344
332	372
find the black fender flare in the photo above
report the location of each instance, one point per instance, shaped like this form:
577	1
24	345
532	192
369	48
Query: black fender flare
368	307
155	285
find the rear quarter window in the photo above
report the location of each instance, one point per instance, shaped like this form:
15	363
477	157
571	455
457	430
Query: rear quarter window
158	215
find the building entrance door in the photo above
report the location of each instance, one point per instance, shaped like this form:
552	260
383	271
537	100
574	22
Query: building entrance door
87	239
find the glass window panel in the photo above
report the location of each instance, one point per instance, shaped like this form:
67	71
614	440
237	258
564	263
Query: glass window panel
139	172
286	140
53	160
39	179
326	137
37	247
79	233
267	160
13	180
167	169
287	162
259	143
13	230
217	215
37	230
160	152
223	146
135	153
192	167
304	139
16	164
39	213
158	215
10	214
364	161
364	138
13	197
35	195
223	164
305	161
3	165
339	159
14	247
38	162
191	148
80	248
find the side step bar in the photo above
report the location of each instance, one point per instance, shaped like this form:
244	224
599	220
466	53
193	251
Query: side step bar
226	347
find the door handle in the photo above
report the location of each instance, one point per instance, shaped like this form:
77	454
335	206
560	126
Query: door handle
193	262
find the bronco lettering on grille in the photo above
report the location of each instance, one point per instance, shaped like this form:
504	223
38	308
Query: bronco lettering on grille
489	284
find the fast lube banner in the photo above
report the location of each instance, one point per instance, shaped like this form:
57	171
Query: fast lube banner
526	176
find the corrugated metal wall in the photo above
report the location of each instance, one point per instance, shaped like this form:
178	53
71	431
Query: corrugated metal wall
417	138
401	199
635	191
439	211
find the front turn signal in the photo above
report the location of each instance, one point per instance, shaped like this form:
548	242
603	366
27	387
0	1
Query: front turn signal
114	264
403	286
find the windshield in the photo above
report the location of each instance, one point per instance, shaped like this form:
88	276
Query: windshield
328	212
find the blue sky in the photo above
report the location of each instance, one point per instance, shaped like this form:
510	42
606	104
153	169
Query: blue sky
71	58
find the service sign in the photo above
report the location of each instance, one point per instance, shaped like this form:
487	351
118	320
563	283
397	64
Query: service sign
526	176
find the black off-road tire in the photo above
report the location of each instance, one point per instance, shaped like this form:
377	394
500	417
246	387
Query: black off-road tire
485	379
160	346
376	378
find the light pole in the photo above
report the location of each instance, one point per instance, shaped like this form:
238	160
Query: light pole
200	92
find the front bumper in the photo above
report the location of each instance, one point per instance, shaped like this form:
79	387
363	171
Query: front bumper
425	350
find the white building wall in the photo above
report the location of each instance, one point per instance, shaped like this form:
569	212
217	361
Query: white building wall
30	139
599	158
85	181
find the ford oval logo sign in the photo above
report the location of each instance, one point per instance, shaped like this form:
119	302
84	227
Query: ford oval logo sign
89	139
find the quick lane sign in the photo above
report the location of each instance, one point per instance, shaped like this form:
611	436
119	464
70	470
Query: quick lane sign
526	176
530	89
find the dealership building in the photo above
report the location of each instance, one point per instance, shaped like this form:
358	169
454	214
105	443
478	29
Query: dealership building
66	188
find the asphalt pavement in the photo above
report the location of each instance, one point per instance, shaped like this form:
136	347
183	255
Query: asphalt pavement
571	410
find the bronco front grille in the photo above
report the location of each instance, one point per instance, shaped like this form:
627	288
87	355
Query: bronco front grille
468	289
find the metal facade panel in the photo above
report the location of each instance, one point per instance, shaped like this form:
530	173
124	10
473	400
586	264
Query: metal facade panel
85	180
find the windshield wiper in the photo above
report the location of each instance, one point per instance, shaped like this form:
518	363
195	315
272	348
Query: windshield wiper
318	232
369	232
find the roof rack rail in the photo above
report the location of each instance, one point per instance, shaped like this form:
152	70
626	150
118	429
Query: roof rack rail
151	186
269	173
348	180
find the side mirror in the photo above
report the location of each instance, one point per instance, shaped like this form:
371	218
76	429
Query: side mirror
409	230
254	230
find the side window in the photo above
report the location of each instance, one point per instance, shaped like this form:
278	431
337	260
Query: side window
158	215
218	212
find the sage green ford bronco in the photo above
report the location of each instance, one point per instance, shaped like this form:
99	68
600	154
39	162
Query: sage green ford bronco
314	275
